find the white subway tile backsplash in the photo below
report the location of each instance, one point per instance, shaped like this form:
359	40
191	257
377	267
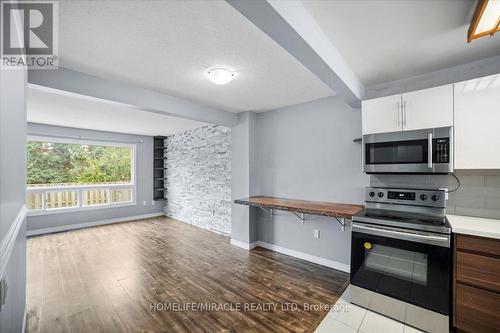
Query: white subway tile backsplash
400	181
492	203
468	201
484	172
480	212
450	209
492	181
472	180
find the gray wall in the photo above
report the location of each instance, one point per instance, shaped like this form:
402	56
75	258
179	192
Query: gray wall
198	177
306	152
144	180
12	195
478	195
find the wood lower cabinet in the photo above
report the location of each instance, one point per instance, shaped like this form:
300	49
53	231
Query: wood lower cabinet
479	271
476	284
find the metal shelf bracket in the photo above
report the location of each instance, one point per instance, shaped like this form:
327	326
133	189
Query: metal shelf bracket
341	222
300	216
269	212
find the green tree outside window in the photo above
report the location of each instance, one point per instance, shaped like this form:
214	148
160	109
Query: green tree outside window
73	164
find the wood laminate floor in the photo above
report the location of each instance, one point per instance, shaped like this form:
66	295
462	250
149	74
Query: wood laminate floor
106	279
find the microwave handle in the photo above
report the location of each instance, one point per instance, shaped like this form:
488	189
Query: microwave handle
429	152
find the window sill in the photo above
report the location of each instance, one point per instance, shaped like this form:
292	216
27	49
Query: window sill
78	209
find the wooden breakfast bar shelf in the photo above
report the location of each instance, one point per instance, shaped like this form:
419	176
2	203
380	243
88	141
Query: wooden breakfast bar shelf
330	209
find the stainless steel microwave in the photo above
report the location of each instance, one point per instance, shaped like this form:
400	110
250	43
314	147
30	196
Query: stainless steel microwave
418	151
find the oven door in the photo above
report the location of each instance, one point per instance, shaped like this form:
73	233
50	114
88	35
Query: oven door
411	266
419	151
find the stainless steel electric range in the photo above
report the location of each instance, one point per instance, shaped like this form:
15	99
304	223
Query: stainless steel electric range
401	257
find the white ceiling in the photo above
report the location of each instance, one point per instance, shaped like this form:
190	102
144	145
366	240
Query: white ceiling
62	110
167	45
389	40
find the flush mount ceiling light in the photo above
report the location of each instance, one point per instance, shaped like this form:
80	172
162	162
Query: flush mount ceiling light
486	20
220	76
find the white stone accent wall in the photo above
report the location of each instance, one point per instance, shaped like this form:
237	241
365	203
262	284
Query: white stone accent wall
198	177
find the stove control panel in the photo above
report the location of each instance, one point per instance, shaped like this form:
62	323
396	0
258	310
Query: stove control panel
427	198
398	195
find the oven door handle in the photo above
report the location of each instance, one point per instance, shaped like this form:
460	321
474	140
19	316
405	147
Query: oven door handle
443	241
429	151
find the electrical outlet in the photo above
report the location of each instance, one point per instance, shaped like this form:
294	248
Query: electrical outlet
316	233
144	203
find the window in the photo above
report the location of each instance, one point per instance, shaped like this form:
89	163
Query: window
65	175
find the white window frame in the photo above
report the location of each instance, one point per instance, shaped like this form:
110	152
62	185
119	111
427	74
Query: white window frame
80	188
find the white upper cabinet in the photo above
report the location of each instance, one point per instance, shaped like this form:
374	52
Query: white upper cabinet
428	108
477	123
381	115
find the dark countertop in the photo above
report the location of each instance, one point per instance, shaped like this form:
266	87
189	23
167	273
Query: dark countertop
332	209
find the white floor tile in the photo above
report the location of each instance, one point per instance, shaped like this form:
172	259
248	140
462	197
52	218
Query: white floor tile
346	295
409	329
334	326
347	313
375	323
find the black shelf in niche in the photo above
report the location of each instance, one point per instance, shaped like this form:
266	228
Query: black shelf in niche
158	167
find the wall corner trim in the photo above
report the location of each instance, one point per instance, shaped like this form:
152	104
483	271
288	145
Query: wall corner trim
243	245
50	230
8	242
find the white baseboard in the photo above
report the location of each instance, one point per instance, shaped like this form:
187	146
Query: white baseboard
90	224
201	226
293	253
243	245
308	257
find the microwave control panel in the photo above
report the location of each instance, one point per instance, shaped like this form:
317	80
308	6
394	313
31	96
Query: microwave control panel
441	150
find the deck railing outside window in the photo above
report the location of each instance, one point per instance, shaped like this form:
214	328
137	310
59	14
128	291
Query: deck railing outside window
67	174
53	198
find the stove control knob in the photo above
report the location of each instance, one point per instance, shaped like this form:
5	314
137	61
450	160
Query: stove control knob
380	194
423	197
435	197
371	194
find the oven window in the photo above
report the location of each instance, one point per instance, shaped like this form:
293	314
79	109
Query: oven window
398	152
403	264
